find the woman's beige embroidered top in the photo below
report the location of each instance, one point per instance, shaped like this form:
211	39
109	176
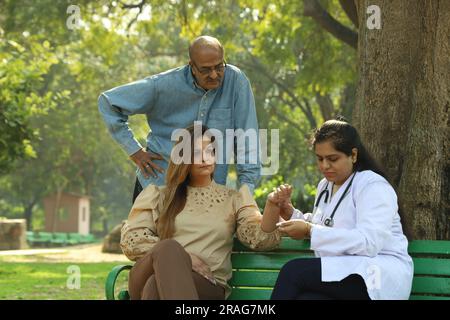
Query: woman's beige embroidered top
205	227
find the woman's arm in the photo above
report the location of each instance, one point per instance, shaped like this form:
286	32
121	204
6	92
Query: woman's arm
139	234
271	217
276	202
249	223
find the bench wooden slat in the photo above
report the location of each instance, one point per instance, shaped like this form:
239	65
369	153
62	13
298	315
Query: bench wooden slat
433	285
439	247
250	294
429	266
254	278
423	297
269	261
287	244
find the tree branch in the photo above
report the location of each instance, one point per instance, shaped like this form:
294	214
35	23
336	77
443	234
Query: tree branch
153	54
184	16
309	113
349	8
139	5
348	101
291	104
313	9
325	105
286	119
132	6
287	102
258	66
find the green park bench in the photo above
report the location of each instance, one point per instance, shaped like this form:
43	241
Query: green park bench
88	238
60	238
255	273
75	238
39	238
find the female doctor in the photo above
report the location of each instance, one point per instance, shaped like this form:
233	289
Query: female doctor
355	228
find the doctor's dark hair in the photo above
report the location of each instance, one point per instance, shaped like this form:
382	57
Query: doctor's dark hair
344	137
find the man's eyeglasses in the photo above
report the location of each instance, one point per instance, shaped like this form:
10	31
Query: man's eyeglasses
207	71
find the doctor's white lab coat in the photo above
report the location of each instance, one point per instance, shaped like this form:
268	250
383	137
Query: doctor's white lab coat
366	238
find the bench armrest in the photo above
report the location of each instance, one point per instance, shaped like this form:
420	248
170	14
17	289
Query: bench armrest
111	282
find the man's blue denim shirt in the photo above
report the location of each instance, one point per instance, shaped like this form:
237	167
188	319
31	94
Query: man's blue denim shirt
172	100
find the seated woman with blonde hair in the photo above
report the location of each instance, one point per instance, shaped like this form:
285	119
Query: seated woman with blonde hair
181	235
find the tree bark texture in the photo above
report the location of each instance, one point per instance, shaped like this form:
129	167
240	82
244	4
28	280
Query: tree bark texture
403	102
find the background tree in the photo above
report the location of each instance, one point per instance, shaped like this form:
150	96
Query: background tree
403	98
403	102
21	81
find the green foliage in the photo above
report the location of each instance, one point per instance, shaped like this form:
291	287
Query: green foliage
23	66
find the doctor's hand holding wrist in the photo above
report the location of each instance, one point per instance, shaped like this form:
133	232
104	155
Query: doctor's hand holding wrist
296	229
286	210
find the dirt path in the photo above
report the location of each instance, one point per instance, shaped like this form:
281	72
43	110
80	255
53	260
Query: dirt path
82	253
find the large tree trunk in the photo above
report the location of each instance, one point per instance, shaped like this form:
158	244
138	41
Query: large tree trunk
403	102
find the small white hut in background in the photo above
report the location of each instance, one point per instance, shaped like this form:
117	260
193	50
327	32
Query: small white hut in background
69	213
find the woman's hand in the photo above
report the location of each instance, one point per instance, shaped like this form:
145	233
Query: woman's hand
281	194
199	266
296	229
281	197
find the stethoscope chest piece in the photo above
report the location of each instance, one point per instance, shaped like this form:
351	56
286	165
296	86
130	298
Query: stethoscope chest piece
328	222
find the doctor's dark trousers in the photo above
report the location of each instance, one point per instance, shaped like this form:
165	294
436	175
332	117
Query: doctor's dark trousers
301	279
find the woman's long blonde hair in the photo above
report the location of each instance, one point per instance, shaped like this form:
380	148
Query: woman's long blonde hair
175	192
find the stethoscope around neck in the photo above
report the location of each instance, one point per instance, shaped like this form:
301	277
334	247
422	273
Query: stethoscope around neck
329	222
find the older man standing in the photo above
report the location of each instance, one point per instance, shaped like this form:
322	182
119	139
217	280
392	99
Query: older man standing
207	90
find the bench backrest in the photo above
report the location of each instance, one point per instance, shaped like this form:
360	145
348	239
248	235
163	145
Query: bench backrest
255	273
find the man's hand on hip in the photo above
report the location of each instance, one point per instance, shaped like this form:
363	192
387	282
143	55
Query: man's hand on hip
143	159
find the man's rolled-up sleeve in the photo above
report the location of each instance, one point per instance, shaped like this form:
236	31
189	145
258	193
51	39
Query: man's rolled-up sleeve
117	104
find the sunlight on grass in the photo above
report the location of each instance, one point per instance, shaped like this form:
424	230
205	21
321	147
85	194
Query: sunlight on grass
47	281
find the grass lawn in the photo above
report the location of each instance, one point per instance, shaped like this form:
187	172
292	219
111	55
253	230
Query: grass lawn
49	281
